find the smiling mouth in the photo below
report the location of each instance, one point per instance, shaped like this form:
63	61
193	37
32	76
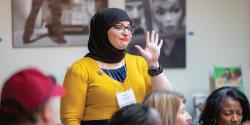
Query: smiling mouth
125	39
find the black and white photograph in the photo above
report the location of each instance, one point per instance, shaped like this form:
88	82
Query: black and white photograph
135	10
53	23
167	17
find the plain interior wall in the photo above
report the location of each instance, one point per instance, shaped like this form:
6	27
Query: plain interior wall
221	38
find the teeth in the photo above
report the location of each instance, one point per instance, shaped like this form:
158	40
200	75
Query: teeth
124	43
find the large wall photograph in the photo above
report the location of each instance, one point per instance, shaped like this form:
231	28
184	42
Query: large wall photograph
53	23
167	17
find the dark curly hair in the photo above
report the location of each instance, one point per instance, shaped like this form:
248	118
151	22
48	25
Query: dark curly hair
212	107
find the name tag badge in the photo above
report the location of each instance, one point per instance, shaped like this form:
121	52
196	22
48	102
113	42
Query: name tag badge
126	98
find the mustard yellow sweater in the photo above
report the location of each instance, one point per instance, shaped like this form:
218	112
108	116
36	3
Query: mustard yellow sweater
91	96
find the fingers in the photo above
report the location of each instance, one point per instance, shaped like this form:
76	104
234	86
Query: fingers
152	37
147	38
156	38
161	42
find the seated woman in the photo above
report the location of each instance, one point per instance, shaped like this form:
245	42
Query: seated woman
136	114
171	106
225	106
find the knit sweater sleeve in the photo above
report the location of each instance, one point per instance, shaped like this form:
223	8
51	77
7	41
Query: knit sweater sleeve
144	68
72	105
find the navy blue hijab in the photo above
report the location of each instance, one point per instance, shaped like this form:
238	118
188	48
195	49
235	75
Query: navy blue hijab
99	45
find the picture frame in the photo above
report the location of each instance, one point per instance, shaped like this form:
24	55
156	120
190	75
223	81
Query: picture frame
46	16
166	18
228	76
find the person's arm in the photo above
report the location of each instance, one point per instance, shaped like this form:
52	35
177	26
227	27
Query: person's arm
72	104
151	54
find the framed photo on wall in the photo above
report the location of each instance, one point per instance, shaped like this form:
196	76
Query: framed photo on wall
167	17
228	76
53	23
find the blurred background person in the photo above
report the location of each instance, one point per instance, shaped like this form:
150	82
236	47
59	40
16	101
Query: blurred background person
26	99
136	114
135	10
171	106
168	18
225	106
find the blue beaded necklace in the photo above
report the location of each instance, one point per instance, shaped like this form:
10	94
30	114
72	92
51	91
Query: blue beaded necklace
117	74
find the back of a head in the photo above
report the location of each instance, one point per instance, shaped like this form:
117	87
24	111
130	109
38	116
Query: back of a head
166	103
136	114
212	107
25	94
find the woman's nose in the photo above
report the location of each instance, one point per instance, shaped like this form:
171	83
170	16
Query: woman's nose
188	117
235	118
125	31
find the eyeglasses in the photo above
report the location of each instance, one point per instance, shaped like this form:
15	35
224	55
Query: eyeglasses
121	28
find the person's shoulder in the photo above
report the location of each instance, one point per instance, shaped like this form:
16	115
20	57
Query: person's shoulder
84	62
82	66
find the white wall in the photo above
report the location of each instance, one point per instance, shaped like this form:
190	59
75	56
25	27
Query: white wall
221	37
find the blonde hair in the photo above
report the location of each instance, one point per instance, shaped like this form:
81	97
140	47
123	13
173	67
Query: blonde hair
167	103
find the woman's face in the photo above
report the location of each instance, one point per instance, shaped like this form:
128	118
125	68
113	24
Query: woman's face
182	117
135	11
167	15
231	112
120	35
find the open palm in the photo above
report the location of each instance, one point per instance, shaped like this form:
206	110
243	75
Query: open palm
151	52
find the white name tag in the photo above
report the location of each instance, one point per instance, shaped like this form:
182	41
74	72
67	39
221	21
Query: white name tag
126	98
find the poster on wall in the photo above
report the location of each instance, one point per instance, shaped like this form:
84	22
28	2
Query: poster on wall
228	76
199	101
53	23
167	17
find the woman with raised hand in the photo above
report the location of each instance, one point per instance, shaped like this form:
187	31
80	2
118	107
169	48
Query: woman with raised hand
107	78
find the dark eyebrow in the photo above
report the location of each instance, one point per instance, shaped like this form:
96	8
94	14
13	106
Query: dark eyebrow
120	24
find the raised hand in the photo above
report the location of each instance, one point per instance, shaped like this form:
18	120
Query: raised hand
151	52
